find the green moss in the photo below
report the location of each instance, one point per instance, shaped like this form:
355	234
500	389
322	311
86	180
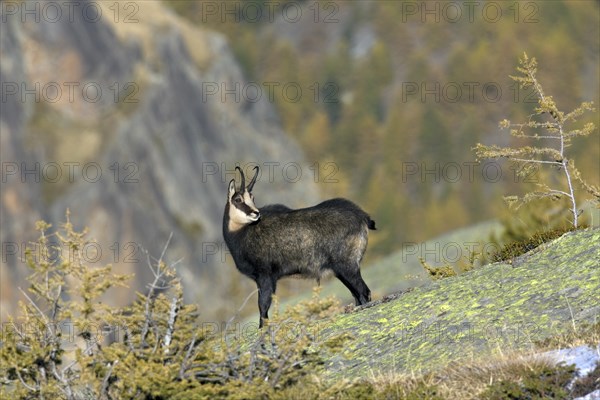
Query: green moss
477	313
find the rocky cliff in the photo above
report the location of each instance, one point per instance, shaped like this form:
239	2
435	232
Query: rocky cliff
106	112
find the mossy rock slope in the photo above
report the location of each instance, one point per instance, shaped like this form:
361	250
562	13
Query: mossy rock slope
500	307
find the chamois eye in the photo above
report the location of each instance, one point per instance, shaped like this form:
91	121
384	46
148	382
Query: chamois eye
237	200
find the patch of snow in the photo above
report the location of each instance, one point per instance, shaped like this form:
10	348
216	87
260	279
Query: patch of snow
585	359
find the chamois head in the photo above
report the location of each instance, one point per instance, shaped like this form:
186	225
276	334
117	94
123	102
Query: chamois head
242	210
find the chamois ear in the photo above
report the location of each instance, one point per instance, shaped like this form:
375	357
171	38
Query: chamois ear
253	181
231	188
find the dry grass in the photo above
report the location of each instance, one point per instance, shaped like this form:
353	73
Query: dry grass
468	380
582	334
462	382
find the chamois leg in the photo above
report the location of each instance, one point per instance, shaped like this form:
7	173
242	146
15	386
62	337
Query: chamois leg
363	289
355	283
350	287
266	287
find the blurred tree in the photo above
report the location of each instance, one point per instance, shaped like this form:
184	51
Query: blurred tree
435	142
316	135
372	132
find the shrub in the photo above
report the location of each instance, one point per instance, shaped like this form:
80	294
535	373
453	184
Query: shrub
520	247
587	384
540	383
66	343
437	273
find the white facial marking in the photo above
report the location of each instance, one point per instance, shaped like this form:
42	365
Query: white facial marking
238	218
249	200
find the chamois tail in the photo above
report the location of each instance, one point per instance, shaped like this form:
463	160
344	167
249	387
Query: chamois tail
371	224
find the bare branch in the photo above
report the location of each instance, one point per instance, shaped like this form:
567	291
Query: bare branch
64	381
560	192
535	161
240	309
46	322
28	387
165	248
55	305
149	304
537	136
187	356
105	381
72	363
281	368
171	323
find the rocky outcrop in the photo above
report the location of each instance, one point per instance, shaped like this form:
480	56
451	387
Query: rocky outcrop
497	307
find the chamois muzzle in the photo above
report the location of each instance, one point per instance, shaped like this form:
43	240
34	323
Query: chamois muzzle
255	215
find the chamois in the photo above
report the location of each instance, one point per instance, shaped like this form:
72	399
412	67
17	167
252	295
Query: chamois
277	241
